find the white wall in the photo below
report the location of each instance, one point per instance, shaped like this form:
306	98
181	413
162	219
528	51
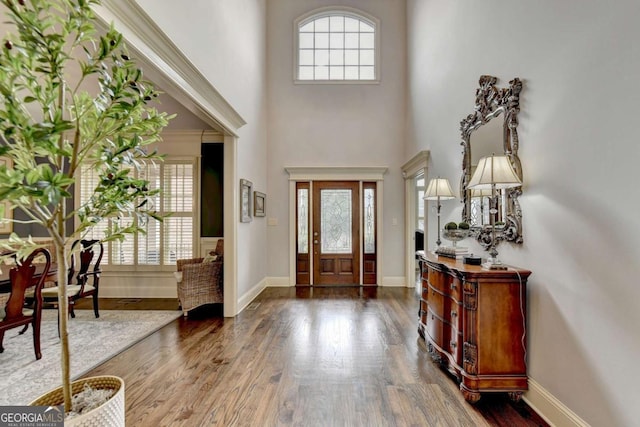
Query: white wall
225	40
335	125
579	149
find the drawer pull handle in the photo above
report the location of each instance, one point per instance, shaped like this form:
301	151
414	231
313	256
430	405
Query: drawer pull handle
453	313
453	344
453	285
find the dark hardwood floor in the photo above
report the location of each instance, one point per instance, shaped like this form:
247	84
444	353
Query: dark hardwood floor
299	357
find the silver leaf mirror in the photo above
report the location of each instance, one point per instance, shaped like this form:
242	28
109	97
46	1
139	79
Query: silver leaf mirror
492	129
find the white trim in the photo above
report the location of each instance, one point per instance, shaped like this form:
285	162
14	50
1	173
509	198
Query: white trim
278	282
344	11
168	67
394	282
331	173
230	227
251	294
550	408
416	165
138	285
189	136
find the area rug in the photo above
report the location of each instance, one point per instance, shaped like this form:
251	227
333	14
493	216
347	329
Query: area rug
92	342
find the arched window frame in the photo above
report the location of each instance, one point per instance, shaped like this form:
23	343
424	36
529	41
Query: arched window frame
336	11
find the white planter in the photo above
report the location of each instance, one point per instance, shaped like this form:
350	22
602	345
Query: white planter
111	414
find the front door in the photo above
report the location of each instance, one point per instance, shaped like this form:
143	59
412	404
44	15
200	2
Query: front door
335	233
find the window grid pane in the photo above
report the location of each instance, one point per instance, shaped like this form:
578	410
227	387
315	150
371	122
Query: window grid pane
178	238
175	179
336	47
369	221
303	219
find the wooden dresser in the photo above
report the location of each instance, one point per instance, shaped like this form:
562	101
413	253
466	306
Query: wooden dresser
473	323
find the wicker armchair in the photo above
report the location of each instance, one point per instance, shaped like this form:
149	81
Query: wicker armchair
199	282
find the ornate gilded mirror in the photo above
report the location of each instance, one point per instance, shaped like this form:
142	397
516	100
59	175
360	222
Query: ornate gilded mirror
492	129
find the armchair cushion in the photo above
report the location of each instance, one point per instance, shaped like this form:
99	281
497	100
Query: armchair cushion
72	290
210	257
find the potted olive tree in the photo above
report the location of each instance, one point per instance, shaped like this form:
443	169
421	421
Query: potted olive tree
72	98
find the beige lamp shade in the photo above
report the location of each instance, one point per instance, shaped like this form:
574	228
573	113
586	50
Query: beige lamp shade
439	189
494	170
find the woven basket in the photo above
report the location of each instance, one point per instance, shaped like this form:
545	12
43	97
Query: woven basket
108	415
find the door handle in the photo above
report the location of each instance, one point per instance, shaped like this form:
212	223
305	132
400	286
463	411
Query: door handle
315	242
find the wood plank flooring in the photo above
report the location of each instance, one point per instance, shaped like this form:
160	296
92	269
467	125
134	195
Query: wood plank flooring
298	357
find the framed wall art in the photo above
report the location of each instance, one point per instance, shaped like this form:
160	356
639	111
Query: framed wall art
259	207
245	200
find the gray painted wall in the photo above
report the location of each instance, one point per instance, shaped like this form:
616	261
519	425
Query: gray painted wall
579	149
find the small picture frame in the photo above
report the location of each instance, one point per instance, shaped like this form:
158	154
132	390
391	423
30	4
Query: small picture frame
6	225
259	200
245	200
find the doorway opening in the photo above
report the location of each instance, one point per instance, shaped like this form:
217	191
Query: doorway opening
336	231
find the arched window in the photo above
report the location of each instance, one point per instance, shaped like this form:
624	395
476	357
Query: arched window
337	44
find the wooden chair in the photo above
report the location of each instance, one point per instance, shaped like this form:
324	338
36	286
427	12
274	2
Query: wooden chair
200	281
82	283
15	314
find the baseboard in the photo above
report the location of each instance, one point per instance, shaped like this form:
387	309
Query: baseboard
394	282
283	282
278	282
550	408
134	286
250	295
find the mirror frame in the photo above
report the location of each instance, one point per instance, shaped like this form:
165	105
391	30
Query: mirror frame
491	103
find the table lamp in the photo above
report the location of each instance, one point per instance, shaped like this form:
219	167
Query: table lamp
494	173
439	189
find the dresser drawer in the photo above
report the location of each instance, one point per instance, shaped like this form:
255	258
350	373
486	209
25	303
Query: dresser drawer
423	311
454	344
453	313
455	289
438	280
435	329
425	291
436	302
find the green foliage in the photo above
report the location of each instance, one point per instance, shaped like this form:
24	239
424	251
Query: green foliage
463	226
451	226
70	97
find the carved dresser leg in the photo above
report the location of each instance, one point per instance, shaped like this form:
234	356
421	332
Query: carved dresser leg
470	396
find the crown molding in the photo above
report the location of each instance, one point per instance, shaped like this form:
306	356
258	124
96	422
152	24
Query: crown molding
317	173
166	65
416	164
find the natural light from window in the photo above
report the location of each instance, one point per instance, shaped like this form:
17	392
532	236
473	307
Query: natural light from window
336	46
162	243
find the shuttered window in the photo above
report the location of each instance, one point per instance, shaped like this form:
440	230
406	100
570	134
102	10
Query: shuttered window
163	242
